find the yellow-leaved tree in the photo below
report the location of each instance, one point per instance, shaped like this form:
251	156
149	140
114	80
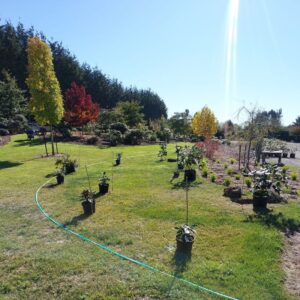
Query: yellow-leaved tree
205	123
46	102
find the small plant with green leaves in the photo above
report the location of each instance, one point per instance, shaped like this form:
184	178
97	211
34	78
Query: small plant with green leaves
205	172
87	198
225	166
67	165
229	171
218	161
238	176
213	177
232	161
103	184
284	169
227	181
163	151
185	233
248	182
294	176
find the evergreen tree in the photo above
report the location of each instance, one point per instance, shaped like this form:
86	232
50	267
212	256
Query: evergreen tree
46	100
11	97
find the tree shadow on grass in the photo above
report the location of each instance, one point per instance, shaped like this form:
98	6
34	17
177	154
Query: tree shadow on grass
182	185
34	142
287	225
8	164
180	262
75	220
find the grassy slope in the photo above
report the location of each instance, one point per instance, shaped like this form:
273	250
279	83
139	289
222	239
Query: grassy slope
37	260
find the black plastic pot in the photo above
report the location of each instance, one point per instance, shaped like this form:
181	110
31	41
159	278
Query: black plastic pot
189	175
69	168
88	207
260	201
284	154
118	161
103	188
185	247
292	155
60	178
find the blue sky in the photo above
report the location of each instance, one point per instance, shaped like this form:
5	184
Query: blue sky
178	48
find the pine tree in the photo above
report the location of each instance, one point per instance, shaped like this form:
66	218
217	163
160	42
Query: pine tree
46	101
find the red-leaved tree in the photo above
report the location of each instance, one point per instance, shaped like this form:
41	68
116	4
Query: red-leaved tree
79	107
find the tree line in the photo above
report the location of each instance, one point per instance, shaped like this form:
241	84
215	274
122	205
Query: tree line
105	91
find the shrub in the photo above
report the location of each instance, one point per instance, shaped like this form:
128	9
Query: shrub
227	181
65	129
294	176
209	147
284	169
229	171
3	132
92	140
115	137
213	177
225	166
218	161
232	161
248	182
164	135
133	137
238	176
119	126
205	172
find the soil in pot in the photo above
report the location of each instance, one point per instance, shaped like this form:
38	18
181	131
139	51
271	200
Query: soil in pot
260	201
60	179
87	207
189	175
103	188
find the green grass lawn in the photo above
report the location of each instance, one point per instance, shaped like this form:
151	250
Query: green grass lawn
233	253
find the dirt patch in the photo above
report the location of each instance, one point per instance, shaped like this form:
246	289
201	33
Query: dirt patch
291	264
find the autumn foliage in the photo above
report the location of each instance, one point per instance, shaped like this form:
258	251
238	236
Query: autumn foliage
208	147
205	123
79	107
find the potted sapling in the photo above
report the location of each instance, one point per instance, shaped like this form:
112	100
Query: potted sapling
88	202
68	165
60	177
185	237
118	160
103	184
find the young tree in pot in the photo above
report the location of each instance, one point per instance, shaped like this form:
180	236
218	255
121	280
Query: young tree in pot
264	181
60	178
185	238
189	158
88	202
119	158
103	184
68	165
